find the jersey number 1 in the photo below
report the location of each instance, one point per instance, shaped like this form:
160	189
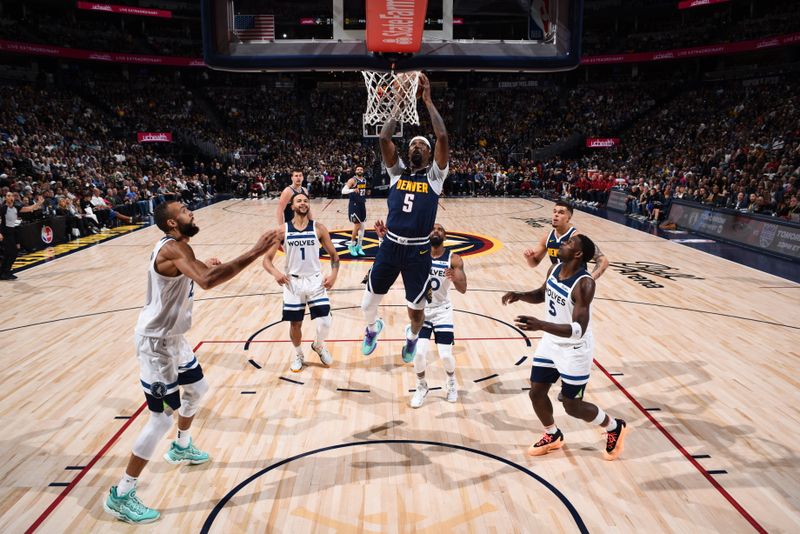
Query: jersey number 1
408	203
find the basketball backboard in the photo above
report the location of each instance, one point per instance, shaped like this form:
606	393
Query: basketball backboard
329	35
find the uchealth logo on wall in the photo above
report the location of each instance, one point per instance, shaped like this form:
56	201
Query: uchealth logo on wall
154	137
47	234
461	243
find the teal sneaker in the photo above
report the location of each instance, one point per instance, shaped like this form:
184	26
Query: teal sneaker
371	339
190	455
351	249
360	251
410	348
129	508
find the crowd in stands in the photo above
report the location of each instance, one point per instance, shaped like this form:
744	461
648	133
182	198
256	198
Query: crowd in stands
728	144
666	28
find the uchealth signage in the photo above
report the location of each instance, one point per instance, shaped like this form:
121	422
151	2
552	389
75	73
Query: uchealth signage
601	142
154	137
686	4
126	10
395	25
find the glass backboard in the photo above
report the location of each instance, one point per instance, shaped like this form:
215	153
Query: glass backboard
329	35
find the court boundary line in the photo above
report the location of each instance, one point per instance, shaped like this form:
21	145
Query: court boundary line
576	517
704	472
667	434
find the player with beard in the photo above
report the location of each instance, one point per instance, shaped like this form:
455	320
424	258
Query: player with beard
562	230
413	202
446	268
170	375
302	280
356	187
566	350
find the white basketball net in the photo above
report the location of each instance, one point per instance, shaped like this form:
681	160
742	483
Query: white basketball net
391	95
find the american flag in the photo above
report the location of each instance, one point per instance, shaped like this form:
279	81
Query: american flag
254	27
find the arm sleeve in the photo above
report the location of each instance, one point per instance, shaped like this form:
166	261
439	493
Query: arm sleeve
437	176
396	171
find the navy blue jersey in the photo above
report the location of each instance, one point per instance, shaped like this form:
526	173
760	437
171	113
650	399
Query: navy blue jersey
413	200
554	243
358	198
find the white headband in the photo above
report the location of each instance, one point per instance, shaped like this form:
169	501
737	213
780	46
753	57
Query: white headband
423	139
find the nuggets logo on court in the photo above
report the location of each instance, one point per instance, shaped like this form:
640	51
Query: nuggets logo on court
47	234
461	243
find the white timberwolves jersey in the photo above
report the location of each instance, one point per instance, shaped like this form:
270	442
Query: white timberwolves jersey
439	283
558	300
168	308
302	250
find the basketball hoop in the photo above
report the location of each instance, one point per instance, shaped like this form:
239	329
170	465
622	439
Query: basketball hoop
391	95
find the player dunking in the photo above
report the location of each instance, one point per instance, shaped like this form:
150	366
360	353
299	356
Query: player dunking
303	282
413	202
284	212
446	268
356	188
169	373
561	232
566	349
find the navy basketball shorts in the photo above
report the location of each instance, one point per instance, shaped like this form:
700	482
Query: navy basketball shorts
356	213
413	262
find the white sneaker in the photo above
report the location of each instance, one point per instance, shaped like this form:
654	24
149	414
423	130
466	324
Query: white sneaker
297	363
420	394
324	356
452	391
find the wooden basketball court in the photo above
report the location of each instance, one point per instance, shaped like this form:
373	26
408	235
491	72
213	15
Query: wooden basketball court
702	369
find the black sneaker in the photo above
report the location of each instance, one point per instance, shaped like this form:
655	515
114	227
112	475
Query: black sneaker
547	443
8	276
615	440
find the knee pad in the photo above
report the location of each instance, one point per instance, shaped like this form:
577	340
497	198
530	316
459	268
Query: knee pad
190	397
155	429
323	325
420	358
446	354
369	305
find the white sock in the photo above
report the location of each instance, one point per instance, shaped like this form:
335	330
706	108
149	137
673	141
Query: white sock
552	429
299	350
612	424
361	236
600	417
411	336
126	483
183	439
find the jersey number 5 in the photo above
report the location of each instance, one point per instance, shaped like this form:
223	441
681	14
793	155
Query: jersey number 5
552	308
408	203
